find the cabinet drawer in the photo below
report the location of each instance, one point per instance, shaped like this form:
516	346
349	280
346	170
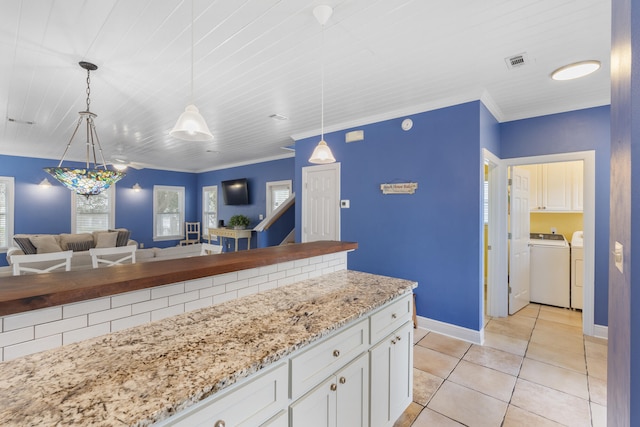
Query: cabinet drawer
314	365
253	403
391	317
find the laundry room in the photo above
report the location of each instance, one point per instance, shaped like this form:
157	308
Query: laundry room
556	224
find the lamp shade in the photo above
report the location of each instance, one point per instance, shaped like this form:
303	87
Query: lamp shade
86	182
322	154
191	126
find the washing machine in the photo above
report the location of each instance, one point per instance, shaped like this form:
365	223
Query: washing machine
549	269
577	270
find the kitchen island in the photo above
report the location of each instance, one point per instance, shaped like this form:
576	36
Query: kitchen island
142	375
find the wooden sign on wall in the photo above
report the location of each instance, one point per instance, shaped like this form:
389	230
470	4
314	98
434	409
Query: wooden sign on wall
399	188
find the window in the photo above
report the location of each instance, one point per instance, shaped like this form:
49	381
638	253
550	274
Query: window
209	208
168	212
277	192
94	212
6	211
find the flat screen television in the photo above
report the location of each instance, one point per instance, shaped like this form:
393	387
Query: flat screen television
235	192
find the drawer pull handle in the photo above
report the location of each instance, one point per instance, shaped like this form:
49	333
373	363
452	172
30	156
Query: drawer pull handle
219	423
333	388
343	380
336	353
393	316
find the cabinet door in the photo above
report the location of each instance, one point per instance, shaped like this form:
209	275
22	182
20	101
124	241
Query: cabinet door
316	408
353	394
556	185
577	169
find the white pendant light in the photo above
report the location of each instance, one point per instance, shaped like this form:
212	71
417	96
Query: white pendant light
322	153
191	125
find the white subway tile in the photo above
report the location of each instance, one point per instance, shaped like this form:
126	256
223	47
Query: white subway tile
209	292
247	274
285	266
193	285
268	285
197	304
227	296
234	286
86	333
223	279
107	315
258	280
165	291
322	265
293	272
335	262
167	312
182	298
301	262
300	277
60	326
277	276
315	259
328	270
16	336
314	274
248	291
31	318
286	281
308	268
131	321
85	307
268	269
154	304
130	298
33	346
340	267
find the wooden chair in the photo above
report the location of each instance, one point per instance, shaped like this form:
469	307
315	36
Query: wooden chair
97	254
18	262
209	249
191	233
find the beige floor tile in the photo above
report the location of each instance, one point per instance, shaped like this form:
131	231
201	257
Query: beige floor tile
517	417
424	386
559	341
524	321
505	343
444	344
598	391
467	406
408	416
552	404
598	415
429	418
485	380
554	377
597	368
509	328
495	359
563	359
595	350
418	334
434	362
564	316
560	327
531	310
596	340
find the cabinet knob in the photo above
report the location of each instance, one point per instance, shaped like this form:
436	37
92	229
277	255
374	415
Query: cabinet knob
398	339
336	353
393	315
219	423
343	380
393	341
333	387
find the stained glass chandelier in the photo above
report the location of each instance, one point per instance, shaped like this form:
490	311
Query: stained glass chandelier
86	181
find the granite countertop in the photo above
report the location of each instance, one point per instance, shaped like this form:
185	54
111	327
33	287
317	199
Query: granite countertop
144	374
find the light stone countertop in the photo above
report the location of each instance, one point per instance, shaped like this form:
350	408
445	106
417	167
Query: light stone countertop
144	374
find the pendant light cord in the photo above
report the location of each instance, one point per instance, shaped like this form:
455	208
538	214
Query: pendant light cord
322	86
192	47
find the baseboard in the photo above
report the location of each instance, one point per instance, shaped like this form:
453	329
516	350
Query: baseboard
454	331
600	331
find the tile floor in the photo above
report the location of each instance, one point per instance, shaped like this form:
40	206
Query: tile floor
534	369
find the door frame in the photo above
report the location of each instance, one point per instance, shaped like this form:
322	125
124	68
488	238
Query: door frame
335	167
499	289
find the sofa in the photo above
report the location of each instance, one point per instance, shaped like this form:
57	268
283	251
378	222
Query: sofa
80	244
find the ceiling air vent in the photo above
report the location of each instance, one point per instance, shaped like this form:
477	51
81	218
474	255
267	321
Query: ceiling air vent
517	61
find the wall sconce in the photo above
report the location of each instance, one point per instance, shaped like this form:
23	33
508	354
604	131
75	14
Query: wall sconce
136	187
45	183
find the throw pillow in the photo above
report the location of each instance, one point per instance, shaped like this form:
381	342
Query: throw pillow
107	240
123	236
25	245
45	244
66	239
80	246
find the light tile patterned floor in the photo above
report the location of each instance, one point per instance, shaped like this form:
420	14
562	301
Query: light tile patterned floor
534	369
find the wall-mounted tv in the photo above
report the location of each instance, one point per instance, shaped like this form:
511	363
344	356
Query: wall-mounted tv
235	192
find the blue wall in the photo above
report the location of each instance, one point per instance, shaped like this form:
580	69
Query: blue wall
257	176
580	130
433	236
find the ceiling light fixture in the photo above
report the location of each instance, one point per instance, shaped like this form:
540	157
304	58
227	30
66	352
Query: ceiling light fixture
322	153
191	125
575	70
86	182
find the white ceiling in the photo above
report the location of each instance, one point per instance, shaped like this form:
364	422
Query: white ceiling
255	58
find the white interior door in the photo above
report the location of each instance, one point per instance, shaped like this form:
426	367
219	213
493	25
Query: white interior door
321	202
519	286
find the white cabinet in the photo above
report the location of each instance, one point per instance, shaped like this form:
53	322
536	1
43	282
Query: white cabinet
555	187
392	376
342	400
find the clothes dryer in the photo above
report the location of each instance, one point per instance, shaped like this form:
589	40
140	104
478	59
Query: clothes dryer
549	269
577	270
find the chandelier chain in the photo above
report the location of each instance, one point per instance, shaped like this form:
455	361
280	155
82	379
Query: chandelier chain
88	89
